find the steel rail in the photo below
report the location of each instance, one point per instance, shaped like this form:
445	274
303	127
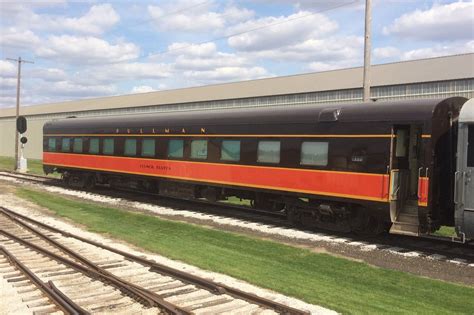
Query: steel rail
91	269
206	284
49	289
268	214
140	294
33	178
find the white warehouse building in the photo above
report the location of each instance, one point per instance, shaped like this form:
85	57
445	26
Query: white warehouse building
439	77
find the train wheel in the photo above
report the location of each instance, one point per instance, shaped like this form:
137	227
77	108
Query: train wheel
360	221
89	182
293	215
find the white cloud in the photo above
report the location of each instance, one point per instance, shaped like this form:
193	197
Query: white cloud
48	74
386	52
7	83
203	57
7	69
226	74
319	4
124	71
234	14
195	50
318	66
286	31
218	60
438	50
97	20
14	38
142	89
7	101
326	49
200	19
442	22
322	66
86	50
204	64
71	89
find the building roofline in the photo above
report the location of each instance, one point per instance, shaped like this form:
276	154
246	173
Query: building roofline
349	78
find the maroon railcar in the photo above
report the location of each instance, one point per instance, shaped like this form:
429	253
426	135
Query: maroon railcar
361	167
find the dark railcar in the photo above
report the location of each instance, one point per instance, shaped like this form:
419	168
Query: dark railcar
344	167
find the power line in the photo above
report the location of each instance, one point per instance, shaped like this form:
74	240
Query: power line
186	8
19	61
251	30
172	13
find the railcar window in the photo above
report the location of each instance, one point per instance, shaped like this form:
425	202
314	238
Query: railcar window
175	148
77	145
130	147
230	150
314	153
268	152
109	146
52	144
94	145
66	145
148	147
470	146
199	149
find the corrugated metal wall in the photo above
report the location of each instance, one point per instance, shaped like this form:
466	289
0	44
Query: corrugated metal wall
440	89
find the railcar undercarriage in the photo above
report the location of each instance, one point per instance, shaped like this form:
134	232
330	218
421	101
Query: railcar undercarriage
309	213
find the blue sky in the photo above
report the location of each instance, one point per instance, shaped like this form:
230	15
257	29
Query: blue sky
85	49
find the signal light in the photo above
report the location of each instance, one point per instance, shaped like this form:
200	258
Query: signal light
21	125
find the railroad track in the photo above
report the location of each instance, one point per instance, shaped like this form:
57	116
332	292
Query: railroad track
441	249
59	271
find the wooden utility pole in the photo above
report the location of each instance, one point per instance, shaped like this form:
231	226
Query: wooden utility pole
367	47
18	79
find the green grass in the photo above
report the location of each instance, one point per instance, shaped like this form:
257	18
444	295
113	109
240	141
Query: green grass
343	285
447	231
237	201
34	166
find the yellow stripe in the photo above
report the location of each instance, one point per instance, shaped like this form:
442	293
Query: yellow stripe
219	135
426	136
233	184
220	164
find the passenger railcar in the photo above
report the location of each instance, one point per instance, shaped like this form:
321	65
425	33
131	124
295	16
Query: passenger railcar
464	176
352	167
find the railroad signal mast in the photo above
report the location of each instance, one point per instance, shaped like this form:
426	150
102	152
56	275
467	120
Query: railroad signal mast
17	132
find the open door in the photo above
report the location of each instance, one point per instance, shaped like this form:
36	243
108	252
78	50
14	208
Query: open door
404	178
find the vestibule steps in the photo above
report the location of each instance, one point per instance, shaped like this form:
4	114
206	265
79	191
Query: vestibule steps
407	222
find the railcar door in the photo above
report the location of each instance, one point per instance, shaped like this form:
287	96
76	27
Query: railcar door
464	182
404	178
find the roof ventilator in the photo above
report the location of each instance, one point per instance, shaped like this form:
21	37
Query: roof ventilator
329	114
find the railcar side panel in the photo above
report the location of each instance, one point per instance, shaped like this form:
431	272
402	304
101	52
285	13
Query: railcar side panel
356	170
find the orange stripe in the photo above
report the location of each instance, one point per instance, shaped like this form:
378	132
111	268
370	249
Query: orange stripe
210	163
337	184
423	188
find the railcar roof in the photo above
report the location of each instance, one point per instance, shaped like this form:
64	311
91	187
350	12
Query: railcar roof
406	110
467	112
